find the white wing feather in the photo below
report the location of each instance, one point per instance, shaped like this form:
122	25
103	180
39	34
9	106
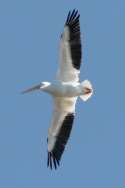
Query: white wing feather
66	71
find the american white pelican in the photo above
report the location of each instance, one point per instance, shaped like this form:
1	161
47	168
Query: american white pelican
65	89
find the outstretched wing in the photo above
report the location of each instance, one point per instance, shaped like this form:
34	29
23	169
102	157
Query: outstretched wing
70	49
59	132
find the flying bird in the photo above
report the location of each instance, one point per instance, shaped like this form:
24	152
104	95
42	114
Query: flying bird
65	89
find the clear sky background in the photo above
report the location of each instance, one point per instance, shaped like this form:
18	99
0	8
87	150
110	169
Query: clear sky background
29	44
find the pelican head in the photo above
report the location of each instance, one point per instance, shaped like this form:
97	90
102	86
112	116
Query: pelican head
40	86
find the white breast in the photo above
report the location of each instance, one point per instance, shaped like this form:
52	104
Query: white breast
63	89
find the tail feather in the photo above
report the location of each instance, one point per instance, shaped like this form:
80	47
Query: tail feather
87	90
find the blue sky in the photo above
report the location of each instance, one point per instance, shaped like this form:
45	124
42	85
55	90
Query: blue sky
29	44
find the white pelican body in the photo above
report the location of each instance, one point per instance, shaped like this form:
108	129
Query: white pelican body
62	89
65	89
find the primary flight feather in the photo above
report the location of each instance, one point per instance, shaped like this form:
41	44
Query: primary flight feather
65	89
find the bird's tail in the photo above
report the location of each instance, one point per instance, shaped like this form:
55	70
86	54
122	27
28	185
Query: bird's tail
87	90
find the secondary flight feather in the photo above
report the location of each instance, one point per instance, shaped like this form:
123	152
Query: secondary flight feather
65	89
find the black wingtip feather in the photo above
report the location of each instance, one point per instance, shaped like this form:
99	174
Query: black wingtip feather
52	161
72	16
75	14
48	160
68	17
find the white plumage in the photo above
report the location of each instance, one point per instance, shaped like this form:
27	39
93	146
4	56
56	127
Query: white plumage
65	89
